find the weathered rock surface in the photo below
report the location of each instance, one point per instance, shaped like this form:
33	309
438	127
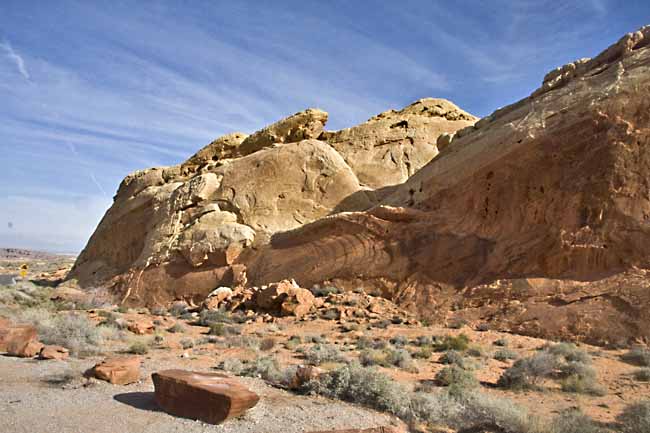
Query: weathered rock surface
176	232
553	187
209	397
544	203
54	352
118	370
15	339
392	146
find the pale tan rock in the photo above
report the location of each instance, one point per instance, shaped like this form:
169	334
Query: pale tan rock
15	338
393	145
54	352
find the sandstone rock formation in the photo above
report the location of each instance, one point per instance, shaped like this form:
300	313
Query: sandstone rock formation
14	339
209	397
533	219
120	370
54	352
176	232
549	193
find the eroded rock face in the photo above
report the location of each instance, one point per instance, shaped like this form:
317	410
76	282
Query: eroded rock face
176	232
392	146
554	187
209	397
17	339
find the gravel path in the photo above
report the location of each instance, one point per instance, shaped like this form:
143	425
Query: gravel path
28	403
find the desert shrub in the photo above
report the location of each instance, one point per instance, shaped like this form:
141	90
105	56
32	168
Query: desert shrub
638	356
574	421
457	378
246	341
110	319
267	344
457	323
266	368
382	324
139	347
349	327
221	330
321	291
401	358
178	309
232	365
505	355
528	372
642	375
364	342
207	317
475	351
177	328
318	339
159	311
72	331
501	342
635	418
458	343
322	353
293	342
424	352
483	327
583	385
570	352
483	412
369	357
365	386
452	357
399	341
187	343
331	314
158	339
423	340
123	309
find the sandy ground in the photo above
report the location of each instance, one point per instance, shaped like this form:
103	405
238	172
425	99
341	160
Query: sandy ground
29	404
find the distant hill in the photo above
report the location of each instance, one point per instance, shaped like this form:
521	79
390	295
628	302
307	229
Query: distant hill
19	253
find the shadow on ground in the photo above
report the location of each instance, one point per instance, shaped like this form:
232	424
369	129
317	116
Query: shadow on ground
138	400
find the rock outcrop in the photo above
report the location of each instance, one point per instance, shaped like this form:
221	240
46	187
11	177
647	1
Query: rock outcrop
549	194
209	397
176	232
534	219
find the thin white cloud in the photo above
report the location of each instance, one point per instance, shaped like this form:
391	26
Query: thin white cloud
15	58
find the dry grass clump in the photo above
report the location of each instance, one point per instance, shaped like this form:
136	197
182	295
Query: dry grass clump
638	356
322	353
635	418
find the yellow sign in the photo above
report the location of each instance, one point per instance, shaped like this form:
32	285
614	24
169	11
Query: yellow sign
23	270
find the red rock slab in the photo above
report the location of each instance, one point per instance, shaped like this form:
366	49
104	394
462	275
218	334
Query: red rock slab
54	352
118	370
14	338
29	350
209	397
388	429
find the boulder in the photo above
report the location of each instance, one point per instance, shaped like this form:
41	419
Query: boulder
118	370
209	397
141	326
28	350
284	298
54	352
14	339
304	374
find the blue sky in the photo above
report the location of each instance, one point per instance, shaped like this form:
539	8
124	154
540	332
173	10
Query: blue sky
90	91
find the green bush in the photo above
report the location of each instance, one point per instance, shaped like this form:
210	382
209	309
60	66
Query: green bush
505	355
501	342
139	347
267	368
570	352
635	418
456	377
458	343
424	352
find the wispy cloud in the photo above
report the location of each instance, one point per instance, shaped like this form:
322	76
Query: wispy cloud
16	58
